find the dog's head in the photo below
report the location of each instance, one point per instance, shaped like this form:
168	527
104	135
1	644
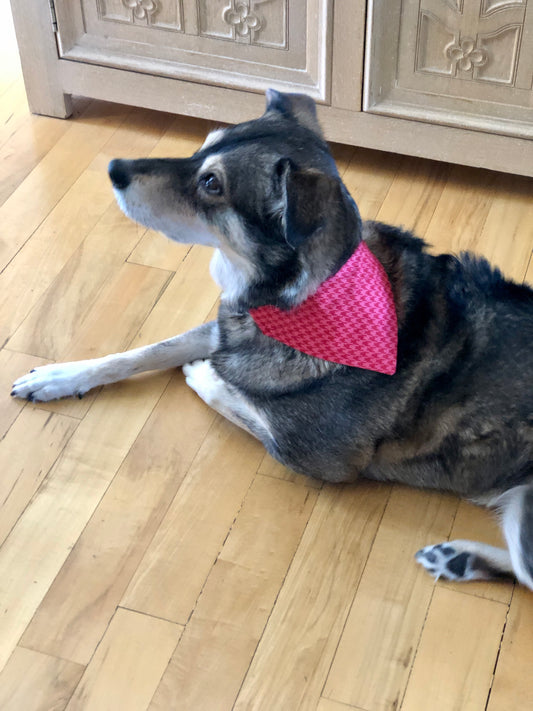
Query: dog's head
266	193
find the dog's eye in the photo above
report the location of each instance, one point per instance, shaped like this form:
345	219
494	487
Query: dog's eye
211	184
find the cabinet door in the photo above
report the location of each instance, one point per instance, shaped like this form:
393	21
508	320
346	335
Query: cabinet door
466	63
250	44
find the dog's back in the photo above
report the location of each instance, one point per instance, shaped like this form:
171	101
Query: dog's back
471	407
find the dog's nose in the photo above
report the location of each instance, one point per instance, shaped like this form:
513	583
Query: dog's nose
119	174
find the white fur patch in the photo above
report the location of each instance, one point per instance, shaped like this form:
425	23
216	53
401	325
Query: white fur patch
436	560
203	379
510	505
183	228
213	163
213	137
226	273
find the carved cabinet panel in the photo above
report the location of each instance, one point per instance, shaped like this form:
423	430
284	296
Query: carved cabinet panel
458	62
237	43
447	79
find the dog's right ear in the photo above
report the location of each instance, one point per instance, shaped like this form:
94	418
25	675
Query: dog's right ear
307	197
300	107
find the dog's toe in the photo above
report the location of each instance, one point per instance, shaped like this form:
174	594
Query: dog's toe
50	382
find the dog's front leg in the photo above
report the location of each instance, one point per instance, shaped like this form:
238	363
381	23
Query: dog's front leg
229	402
50	382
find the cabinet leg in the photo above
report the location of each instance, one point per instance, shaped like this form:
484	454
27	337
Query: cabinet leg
54	103
39	58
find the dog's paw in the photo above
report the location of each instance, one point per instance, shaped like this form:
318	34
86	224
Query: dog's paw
203	379
51	382
463	560
443	561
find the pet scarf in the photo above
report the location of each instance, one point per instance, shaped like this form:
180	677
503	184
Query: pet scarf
350	319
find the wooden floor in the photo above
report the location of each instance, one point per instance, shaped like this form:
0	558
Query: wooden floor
152	556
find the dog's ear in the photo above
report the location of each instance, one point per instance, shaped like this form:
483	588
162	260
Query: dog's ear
308	199
301	107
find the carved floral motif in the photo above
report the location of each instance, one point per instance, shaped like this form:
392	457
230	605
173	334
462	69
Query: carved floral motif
466	55
242	18
142	9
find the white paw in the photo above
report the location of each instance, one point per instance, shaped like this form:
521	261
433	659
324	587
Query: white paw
202	378
50	382
457	560
437	559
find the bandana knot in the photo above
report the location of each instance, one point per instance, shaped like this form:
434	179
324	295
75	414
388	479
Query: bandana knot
350	319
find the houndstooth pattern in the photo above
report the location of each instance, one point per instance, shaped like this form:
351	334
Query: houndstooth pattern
350	319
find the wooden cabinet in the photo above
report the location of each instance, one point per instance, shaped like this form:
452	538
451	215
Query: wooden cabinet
234	43
466	63
445	79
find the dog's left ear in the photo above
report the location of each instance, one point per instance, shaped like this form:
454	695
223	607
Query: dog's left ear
309	199
301	107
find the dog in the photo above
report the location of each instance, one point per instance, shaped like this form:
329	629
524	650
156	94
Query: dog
455	410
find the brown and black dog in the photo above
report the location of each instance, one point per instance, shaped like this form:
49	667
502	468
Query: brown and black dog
458	413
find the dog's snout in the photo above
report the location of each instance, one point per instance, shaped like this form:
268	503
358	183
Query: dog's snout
119	174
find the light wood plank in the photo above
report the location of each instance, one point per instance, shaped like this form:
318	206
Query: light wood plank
30	204
123	304
457	653
37	265
293	658
369	177
28	142
462	211
137	137
127	666
56	318
506	239
387	616
72	406
25	468
271	467
12	365
183	137
343	156
131	292
329	705
512	686
190	293
529	273
156	250
414	194
210	662
37	682
100	333
82	599
43	536
177	563
14	110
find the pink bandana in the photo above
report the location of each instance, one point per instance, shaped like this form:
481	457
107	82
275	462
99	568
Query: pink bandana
350	319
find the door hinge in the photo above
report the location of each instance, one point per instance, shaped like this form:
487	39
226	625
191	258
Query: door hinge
53	14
